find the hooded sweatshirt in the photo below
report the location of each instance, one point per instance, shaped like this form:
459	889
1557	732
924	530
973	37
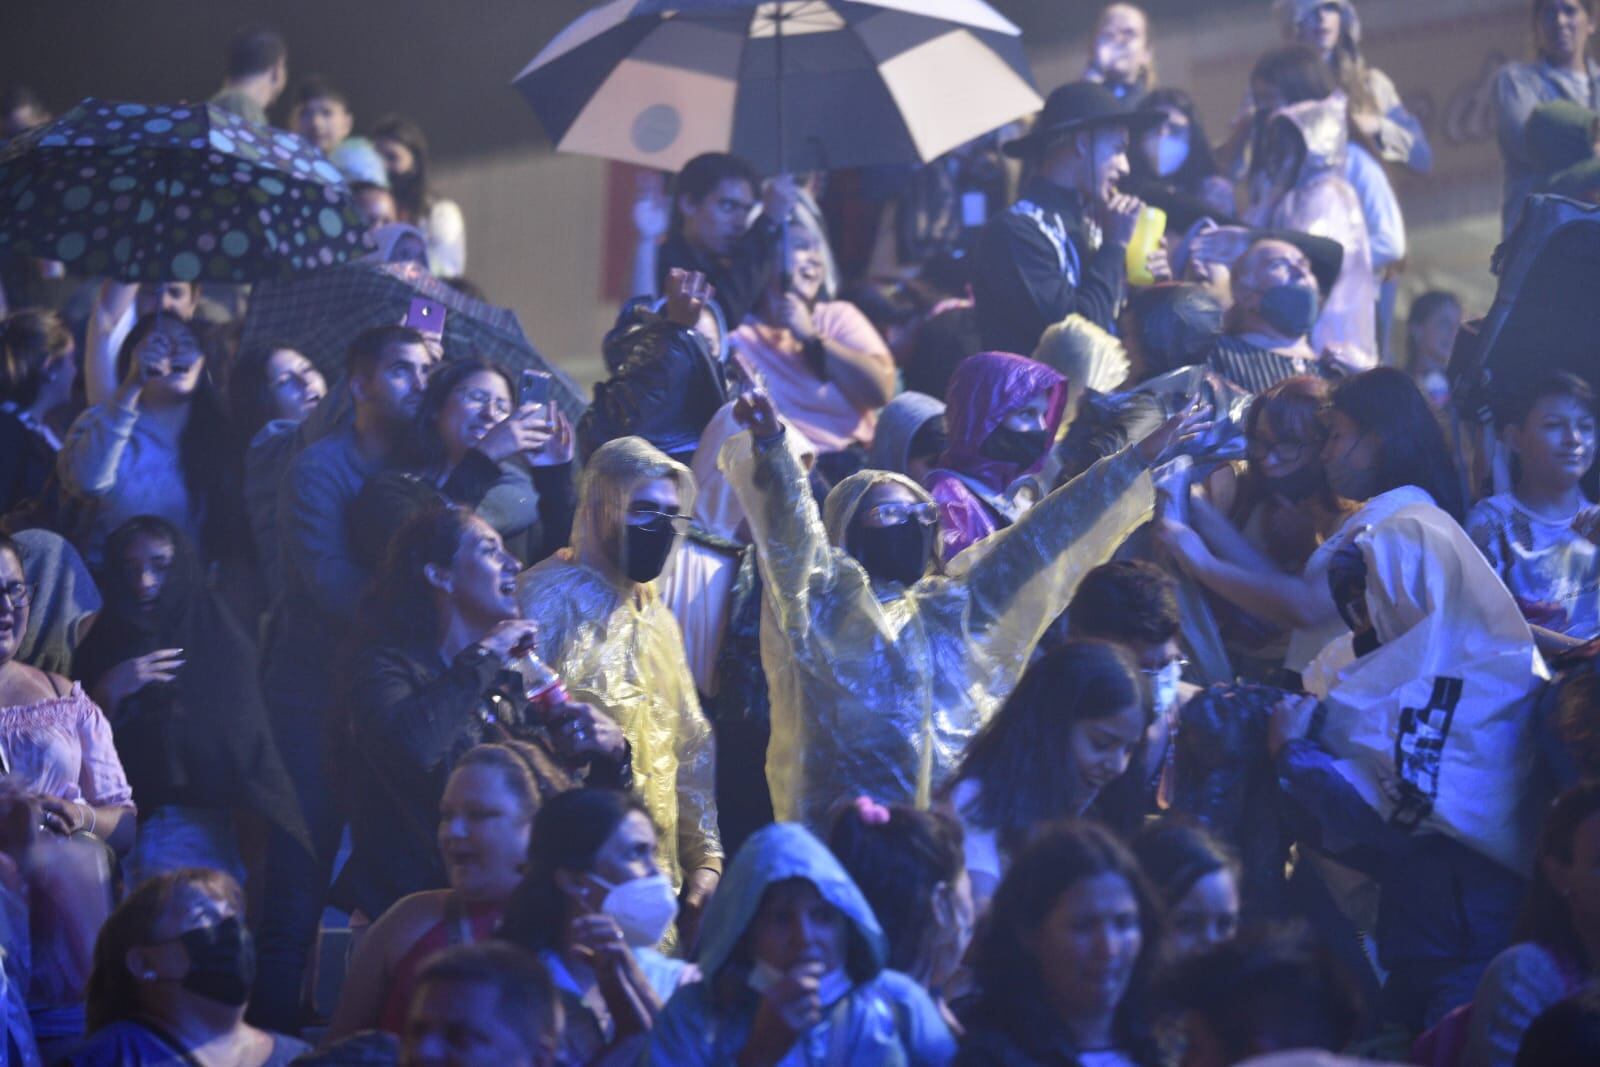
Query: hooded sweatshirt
877	687
884	1019
1321	201
973	491
616	645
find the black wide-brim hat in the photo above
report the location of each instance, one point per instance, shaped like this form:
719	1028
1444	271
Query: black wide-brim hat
1326	254
1081	106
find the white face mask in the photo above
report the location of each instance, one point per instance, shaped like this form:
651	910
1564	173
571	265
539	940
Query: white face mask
1172	151
644	908
831	988
1164	687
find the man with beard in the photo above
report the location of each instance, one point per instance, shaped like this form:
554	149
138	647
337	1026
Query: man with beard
1268	329
388	368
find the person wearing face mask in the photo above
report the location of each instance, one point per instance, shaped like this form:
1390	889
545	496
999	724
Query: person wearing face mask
1277	512
485	818
1074	726
1383	451
1562	70
472	445
1002	415
1134	604
604	627
1064	966
594	907
828	369
1536	535
1414	758
795	972
1062	247
1172	166
881	661
442	666
174	968
1277	296
911	866
158	447
177	677
1300	179
1119	53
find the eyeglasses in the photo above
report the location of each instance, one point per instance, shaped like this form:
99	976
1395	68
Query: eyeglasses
16	594
651	519
1283	451
897	513
477	398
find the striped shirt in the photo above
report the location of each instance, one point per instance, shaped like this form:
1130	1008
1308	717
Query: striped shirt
1255	369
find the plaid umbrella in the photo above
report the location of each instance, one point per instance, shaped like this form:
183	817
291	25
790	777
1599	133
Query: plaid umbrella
184	191
813	84
321	313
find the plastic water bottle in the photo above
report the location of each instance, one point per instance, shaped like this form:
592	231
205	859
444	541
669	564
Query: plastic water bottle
542	686
1147	234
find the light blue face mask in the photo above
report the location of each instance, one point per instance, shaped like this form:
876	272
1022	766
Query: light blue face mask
832	987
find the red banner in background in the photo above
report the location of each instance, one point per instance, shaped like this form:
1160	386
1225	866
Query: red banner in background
624	181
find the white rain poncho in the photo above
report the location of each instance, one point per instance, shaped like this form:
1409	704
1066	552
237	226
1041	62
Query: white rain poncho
1434	728
877	688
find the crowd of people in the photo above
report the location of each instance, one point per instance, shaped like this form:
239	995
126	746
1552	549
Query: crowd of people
1037	644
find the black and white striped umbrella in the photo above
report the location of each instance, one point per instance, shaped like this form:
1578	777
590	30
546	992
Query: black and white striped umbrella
787	84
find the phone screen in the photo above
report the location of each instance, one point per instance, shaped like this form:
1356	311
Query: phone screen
533	388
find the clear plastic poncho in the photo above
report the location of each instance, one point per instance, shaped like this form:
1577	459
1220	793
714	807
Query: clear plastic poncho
617	646
878	688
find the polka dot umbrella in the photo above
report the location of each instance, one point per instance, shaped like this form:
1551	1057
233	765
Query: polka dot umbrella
146	192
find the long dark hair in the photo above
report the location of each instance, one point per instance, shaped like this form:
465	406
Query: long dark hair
1011	988
398	606
424	449
113	992
1299	73
1424	308
568	833
205	452
411	193
896	865
1177	852
1019	756
1385	401
1546	917
249	391
1199	165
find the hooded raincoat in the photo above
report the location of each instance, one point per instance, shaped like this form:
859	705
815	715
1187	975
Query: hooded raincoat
876	687
884	1019
1435	728
1321	201
617	647
975	494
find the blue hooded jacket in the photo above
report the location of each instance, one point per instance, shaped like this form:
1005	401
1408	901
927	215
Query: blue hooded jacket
886	1020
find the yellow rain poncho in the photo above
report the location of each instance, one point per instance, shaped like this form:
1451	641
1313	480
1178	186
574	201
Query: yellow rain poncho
878	689
617	646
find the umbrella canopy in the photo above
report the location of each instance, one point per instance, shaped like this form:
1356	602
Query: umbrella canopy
159	192
860	82
321	313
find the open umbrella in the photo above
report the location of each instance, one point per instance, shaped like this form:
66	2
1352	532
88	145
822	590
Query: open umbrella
183	191
807	84
321	313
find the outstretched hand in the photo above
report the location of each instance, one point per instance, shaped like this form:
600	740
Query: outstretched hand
1188	424
687	293
755	412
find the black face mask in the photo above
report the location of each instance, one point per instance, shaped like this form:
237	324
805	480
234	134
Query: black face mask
1297	486
646	550
1022	447
222	962
1291	309
892	553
